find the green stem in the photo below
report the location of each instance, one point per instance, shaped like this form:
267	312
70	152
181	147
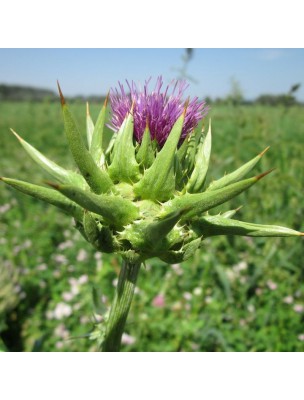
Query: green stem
121	306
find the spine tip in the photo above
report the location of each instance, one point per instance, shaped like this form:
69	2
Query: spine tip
16	134
88	109
186	106
106	99
62	99
258	177
264	151
53	185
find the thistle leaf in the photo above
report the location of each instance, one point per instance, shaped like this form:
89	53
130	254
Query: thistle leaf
97	136
158	182
198	176
201	202
236	175
98	180
48	195
57	172
114	209
89	126
217	225
124	167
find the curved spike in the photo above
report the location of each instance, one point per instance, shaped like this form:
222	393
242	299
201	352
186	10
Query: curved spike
98	180
236	175
48	195
57	172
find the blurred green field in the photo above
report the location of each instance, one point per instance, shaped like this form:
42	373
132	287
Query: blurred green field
236	294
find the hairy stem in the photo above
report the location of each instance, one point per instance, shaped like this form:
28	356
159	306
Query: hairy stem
121	306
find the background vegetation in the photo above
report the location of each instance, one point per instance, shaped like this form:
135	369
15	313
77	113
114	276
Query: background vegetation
237	294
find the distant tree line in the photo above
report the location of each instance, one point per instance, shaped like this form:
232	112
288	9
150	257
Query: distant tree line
27	93
235	97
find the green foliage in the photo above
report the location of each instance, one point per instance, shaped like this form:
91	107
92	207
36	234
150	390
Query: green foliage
237	294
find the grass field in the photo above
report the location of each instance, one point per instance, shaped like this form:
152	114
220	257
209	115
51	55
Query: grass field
236	294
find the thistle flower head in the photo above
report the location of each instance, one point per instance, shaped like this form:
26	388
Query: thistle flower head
159	108
140	200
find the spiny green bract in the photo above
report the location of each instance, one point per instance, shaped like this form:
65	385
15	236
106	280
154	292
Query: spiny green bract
141	201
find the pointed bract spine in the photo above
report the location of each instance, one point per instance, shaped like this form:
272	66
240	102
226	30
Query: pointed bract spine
89	126
238	174
145	155
96	148
201	202
48	195
198	176
124	167
158	182
57	172
98	180
218	225
116	210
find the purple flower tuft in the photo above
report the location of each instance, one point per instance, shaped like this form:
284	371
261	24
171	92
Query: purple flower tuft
159	109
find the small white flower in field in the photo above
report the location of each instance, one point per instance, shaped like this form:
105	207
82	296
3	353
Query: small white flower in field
299	308
301	337
242	322
42	284
83	279
197	291
17	289
288	300
177	269
62	310
84	319
61	331
27	244
243	280
67	233
177	306
241	266
82	255
97	255
258	291
56	273
187	296
251	308
114	282
127	339
4	208
98	317
159	301
59	345
137	290
74	286
76	306
60	258
49	314
208	299
271	285
65	245
231	274
67	296
41	267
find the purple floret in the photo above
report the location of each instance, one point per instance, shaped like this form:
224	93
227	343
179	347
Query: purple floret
160	109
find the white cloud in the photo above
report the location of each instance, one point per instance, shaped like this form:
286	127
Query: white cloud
271	54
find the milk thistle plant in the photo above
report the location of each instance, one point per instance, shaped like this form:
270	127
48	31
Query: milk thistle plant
145	195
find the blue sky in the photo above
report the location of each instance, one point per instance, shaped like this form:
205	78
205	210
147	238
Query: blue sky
94	71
